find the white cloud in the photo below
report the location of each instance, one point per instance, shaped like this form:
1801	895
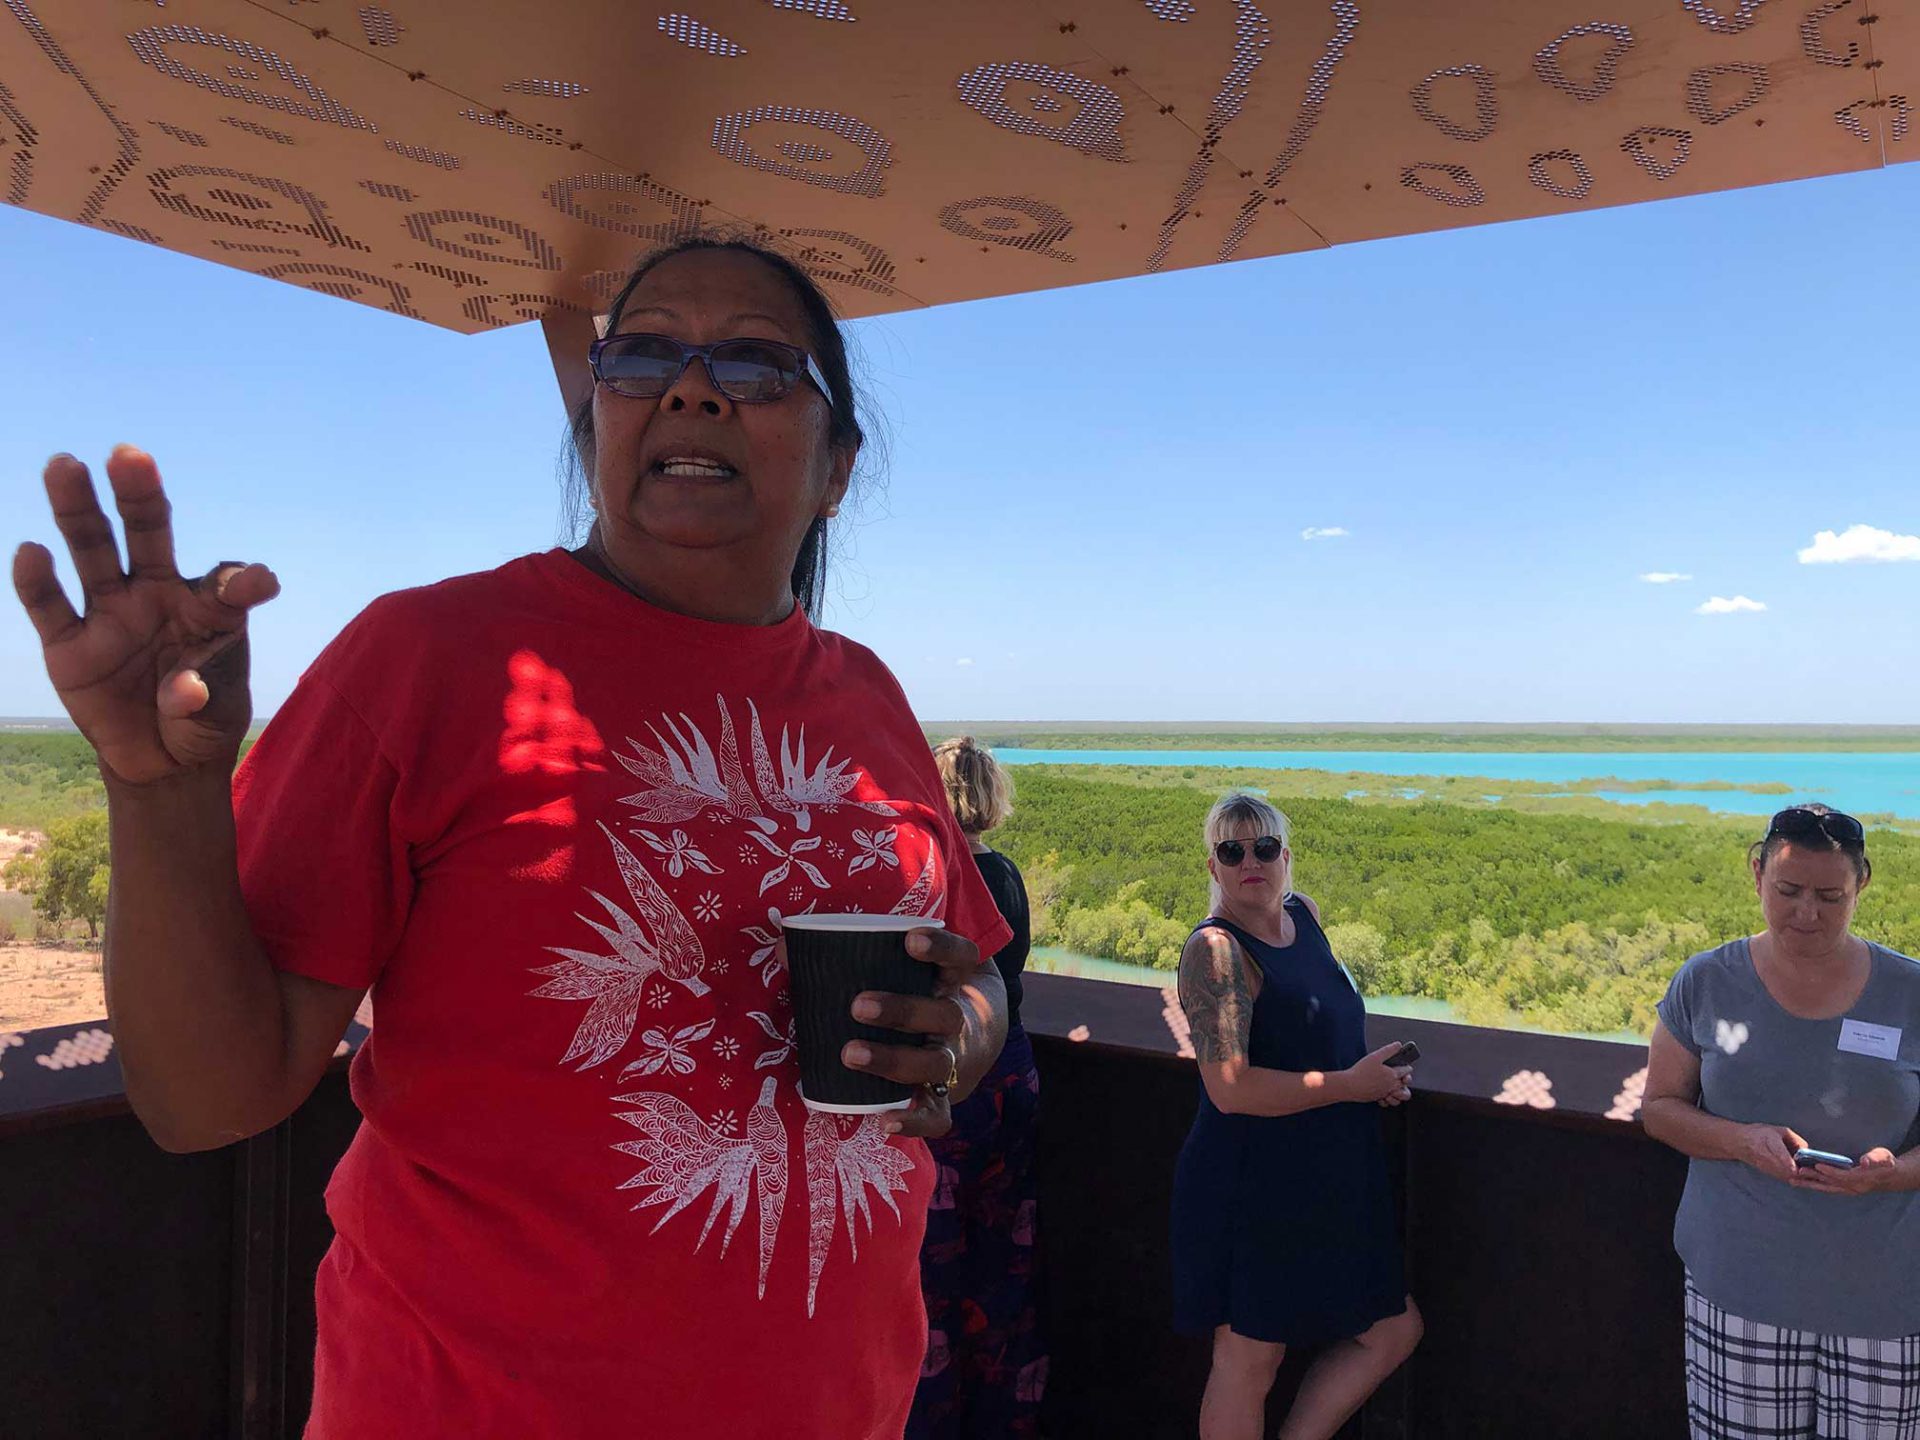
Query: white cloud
1323	532
1721	605
1860	542
964	660
1663	577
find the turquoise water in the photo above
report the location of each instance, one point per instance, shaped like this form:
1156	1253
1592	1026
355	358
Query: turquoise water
1861	783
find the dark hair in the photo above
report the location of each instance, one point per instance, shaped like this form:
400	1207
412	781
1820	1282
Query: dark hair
1774	841
825	343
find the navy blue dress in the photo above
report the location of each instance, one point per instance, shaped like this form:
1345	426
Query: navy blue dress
1283	1225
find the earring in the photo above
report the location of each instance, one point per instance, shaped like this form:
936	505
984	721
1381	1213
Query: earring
831	511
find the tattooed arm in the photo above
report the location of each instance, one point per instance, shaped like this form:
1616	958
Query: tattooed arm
1216	991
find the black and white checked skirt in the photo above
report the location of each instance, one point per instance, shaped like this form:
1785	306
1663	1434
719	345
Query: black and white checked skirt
1751	1381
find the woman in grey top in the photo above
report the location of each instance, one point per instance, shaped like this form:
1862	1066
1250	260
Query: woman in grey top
1803	1278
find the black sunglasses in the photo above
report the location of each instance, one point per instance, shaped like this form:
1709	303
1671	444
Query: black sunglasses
1797	820
1266	850
751	372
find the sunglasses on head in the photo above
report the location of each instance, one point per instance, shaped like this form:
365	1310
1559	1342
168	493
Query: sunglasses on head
1266	850
1797	821
750	372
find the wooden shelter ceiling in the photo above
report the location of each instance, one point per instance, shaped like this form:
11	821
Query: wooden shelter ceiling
479	162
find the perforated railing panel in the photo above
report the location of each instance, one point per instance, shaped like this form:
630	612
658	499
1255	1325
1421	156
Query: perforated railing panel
477	163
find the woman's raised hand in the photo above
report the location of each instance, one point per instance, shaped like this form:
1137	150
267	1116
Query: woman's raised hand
154	672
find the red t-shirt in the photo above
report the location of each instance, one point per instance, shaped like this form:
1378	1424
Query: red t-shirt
555	829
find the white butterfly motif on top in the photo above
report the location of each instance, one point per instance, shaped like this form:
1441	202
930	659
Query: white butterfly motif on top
680	852
668	1051
659	942
876	848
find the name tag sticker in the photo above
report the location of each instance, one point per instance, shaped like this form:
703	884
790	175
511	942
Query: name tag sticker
1882	1042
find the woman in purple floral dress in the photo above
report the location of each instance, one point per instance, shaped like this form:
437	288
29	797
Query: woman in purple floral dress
986	1364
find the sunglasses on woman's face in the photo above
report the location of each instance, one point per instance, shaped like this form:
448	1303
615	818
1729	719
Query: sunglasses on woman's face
1231	852
749	372
1798	821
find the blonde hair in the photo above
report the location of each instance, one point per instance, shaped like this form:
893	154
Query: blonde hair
1245	807
978	786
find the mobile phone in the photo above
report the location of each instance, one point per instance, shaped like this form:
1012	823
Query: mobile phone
1405	1055
1807	1157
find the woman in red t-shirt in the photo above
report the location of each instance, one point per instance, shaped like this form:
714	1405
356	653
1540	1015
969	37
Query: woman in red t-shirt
550	816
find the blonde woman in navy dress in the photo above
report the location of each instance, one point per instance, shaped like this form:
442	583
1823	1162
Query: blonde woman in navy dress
1283	1218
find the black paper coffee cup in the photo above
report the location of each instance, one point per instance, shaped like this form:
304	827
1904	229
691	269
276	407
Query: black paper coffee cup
831	959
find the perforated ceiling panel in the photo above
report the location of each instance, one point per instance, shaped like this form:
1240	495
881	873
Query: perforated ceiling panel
479	162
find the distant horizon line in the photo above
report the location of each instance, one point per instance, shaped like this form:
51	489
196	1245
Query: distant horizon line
1307	727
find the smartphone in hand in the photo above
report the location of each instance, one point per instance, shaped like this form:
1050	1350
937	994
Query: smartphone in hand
1807	1157
1405	1055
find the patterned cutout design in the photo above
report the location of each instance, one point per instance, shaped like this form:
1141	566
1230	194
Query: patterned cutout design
1252	33
262	131
556	89
1744	14
132	232
1486	103
380	26
1700	87
485	309
1813	38
1659	150
154	46
625	205
1008	93
1542	177
696	36
1016	221
174	132
1547	64
1178	11
482	237
835	257
425	156
346	284
22	137
388	192
1455	184
1306	121
500	120
220	196
818	9
731	137
1851	122
127	140
459	279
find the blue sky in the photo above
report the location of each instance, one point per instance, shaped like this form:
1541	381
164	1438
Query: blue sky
1095	498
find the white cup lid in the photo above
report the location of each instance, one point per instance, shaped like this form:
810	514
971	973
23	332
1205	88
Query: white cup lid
901	923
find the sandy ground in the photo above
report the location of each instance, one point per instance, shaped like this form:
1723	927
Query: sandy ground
41	984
